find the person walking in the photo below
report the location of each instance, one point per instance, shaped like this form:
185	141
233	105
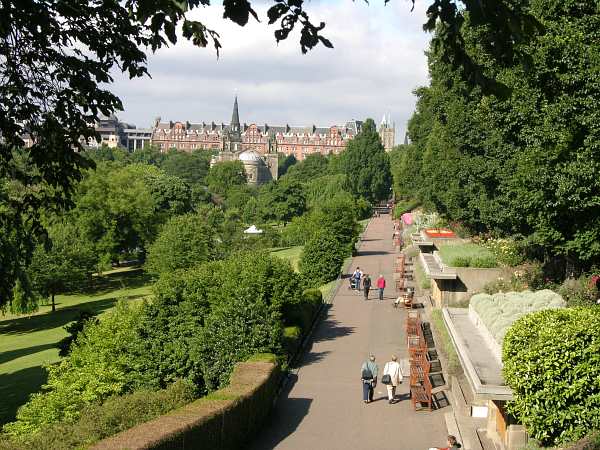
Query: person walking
381	286
368	378
366	285
357	275
392	377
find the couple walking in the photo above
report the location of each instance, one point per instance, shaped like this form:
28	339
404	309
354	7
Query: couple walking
357	276
391	377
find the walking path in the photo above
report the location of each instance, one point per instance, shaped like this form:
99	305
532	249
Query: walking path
323	409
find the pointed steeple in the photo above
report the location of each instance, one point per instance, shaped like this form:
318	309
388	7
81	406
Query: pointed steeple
235	117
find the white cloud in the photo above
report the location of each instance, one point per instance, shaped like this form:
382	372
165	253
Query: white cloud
376	63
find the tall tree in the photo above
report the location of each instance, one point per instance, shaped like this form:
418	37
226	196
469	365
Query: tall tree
67	264
367	165
225	175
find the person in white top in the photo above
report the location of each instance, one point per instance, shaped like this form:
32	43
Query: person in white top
393	369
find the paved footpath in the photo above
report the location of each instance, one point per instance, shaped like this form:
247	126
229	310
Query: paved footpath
323	409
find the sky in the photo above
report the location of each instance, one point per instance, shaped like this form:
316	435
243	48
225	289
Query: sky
377	61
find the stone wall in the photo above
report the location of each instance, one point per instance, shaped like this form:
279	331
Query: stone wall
226	419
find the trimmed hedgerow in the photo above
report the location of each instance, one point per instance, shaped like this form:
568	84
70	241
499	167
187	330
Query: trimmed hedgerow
552	364
225	419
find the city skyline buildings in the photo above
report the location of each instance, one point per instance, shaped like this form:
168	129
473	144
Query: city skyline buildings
372	70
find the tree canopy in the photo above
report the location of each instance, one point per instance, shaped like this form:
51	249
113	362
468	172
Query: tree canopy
366	165
524	165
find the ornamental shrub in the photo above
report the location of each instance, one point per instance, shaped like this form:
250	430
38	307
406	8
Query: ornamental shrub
97	422
102	363
322	259
552	364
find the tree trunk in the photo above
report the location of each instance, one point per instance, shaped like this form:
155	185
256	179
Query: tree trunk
53	304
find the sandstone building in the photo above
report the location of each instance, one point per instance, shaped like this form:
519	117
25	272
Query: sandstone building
286	139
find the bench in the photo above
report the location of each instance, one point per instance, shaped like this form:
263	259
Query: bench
420	393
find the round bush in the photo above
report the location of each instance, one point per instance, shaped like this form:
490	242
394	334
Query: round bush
552	363
322	259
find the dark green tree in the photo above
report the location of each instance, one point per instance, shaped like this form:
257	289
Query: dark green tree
311	167
284	163
367	166
322	258
191	167
66	265
183	242
282	200
225	175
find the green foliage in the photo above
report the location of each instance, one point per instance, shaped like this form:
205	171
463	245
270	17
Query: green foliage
101	364
284	163
467	255
322	258
577	291
74	328
552	364
422	278
66	265
205	319
367	166
291	339
184	241
225	175
499	311
454	367
313	166
191	167
522	163
116	414
282	200
507	251
404	206
526	276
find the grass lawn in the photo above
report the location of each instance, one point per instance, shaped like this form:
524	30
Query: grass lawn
27	342
292	254
467	255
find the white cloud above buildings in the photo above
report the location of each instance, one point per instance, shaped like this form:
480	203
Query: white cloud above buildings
377	61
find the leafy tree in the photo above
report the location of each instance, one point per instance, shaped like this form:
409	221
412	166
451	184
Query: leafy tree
284	163
238	197
313	166
172	195
367	165
191	167
282	200
339	217
225	175
319	190
65	265
322	258
184	241
149	154
115	210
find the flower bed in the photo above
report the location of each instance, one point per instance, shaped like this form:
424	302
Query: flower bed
496	313
439	233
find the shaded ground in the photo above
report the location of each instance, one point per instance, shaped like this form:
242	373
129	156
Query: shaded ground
322	407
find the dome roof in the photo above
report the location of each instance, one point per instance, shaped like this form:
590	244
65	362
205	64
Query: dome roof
249	155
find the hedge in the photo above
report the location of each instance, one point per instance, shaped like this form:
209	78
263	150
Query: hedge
97	422
224	420
552	364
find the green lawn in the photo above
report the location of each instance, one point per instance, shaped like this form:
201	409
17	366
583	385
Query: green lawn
27	342
292	254
467	255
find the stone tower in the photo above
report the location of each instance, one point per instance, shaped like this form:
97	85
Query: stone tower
387	133
232	141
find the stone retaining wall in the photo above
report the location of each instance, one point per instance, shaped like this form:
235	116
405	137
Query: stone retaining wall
226	419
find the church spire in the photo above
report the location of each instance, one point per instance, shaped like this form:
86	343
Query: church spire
235	117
